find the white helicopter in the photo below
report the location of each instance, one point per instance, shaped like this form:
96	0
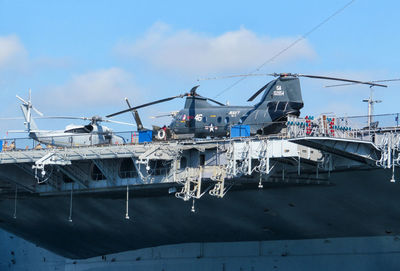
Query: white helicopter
73	135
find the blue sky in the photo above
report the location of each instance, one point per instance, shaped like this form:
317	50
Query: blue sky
81	58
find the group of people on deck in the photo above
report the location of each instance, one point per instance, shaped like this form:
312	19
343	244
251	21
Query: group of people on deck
12	146
6	147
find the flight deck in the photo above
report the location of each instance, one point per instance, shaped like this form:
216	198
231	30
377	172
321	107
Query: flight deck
306	149
93	194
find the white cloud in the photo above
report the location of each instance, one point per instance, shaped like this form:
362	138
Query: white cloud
191	52
14	58
13	54
99	88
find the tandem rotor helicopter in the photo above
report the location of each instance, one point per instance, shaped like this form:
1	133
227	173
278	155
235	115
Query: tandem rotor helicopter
74	135
199	118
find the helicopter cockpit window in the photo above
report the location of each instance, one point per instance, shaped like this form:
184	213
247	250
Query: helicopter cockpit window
81	130
89	127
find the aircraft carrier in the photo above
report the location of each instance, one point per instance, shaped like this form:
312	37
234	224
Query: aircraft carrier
321	194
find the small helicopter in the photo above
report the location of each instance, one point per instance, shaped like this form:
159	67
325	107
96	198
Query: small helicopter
199	118
74	135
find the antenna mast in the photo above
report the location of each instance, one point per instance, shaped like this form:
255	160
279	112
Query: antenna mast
371	103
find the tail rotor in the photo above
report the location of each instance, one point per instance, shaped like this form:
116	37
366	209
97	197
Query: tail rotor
27	108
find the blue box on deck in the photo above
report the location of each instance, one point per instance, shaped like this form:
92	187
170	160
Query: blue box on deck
240	130
145	136
1	145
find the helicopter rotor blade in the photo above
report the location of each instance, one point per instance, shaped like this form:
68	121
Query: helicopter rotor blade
257	93
17	131
212	100
119	122
28	114
372	83
135	115
375	81
161	116
193	90
340	85
147	104
37	111
93	119
387	80
63	117
236	75
169	114
22	100
29	103
26	131
340	79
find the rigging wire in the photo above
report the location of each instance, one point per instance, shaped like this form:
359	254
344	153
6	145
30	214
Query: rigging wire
15	202
288	47
70	205
127	201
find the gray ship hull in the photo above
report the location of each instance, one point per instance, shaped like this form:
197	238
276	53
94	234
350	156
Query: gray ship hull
353	203
356	253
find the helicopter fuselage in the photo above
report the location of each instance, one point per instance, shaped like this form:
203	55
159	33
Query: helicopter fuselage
211	121
216	121
77	135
